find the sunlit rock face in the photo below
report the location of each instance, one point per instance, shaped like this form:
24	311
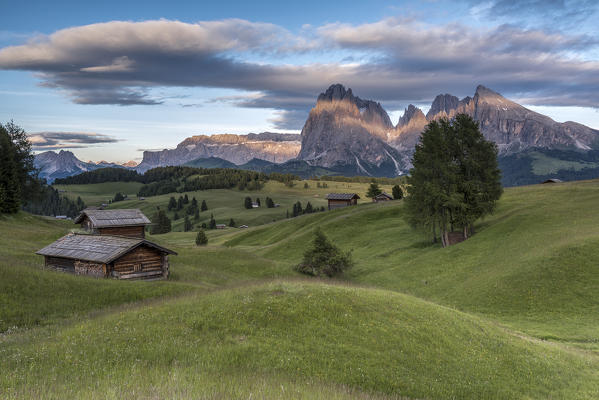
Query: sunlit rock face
350	134
238	149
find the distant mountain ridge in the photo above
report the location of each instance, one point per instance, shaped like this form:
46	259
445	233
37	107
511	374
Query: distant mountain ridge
52	165
238	149
345	134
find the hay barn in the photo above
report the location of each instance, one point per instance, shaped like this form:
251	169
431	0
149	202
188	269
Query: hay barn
107	256
382	197
340	200
130	222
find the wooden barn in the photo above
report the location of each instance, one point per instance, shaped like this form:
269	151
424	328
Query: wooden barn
107	256
340	200
114	222
382	197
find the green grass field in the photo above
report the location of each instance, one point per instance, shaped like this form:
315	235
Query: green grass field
509	314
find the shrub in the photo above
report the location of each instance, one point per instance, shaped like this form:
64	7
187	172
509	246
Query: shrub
324	258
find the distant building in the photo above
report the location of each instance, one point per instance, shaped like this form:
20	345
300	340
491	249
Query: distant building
244	226
340	200
61	217
553	180
382	197
221	226
255	205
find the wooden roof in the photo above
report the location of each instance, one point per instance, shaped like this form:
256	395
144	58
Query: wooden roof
108	218
342	196
97	248
380	195
553	180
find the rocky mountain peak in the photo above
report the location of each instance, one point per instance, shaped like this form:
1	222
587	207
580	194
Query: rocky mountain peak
442	106
337	92
410	114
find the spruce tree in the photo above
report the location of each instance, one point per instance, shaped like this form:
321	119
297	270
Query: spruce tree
373	190
258	201
201	238
270	203
455	179
232	223
204	205
196	215
308	209
212	224
397	192
180	203
247	203
324	258
187	226
172	203
185	199
9	179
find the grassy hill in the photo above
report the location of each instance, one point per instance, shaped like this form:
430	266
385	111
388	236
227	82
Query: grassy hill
369	340
533	264
510	313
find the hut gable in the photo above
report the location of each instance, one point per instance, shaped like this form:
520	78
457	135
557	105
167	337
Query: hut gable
382	197
114	222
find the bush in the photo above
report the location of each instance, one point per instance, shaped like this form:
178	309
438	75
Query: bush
324	258
118	197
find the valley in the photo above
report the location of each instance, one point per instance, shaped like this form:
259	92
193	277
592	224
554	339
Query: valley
510	313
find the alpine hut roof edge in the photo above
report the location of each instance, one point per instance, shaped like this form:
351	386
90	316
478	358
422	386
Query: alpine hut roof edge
97	248
111	218
342	196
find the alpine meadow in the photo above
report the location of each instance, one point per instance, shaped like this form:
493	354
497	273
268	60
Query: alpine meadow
376	200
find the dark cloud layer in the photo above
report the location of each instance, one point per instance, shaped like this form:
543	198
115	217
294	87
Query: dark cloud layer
67	140
401	61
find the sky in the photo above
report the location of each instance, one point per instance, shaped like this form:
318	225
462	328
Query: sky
108	80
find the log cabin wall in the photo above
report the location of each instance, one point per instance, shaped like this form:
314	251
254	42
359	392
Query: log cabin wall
141	261
131	231
62	264
339	204
90	268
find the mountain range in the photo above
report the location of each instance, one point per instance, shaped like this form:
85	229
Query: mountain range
347	135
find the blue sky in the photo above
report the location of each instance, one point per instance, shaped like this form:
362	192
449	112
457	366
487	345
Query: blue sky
111	79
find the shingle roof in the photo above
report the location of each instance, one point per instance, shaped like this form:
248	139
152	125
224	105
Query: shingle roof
342	196
97	248
387	195
106	218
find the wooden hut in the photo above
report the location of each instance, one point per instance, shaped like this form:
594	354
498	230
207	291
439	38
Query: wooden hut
107	256
340	200
131	222
553	180
382	197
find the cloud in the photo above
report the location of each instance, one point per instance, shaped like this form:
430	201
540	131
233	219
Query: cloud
67	140
393	60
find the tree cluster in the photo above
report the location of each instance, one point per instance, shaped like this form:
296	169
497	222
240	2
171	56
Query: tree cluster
298	210
18	178
455	179
324	258
373	190
49	202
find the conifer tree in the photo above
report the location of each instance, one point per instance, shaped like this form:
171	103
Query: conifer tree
247	203
9	180
455	179
212	224
196	215
201	238
258	201
397	192
204	205
172	203
187	226
232	223
373	190
185	199
270	203
308	209
324	258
